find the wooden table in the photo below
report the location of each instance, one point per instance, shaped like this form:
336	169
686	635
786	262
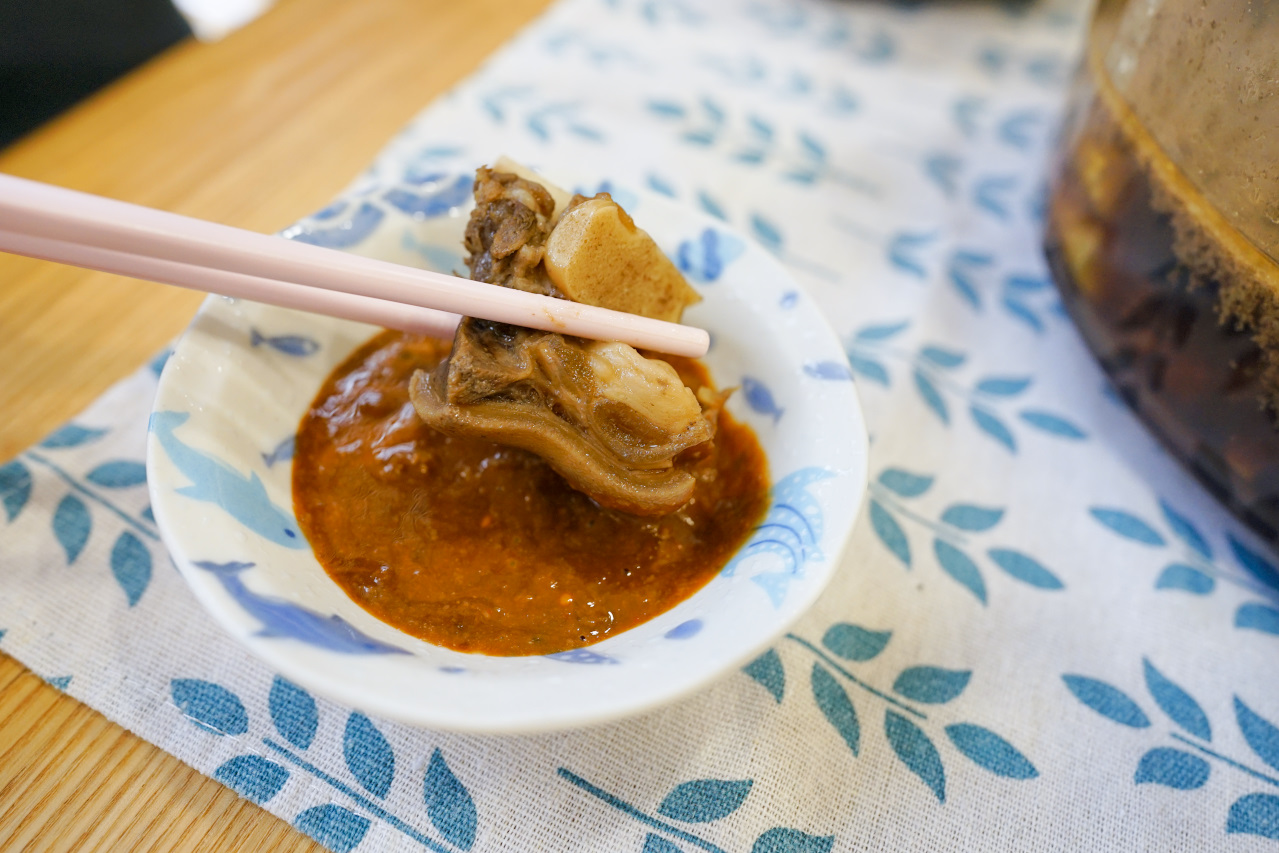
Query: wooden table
225	132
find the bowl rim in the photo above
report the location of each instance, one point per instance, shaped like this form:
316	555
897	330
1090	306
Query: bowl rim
438	715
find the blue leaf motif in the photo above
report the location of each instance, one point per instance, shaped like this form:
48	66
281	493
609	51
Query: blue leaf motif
368	755
293	712
1052	424
869	368
916	751
1004	386
766	232
944	170
71	526
666	109
1027	283
972	518
943	357
1110	702
988	750
210	706
118	474
883	332
1127	525
902	252
853	642
704	800
658	844
15	488
711	206
449	804
71	435
336	828
931	685
767	670
1258	617
905	483
931	396
1255	564
1172	768
993	427
780	839
960	566
1019	310
1261	735
991	194
1016	128
836	707
131	566
1176	703
1186	531
1024	568
1188	578
1255	814
889	532
252	777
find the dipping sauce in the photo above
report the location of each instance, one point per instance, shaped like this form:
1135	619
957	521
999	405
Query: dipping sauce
483	548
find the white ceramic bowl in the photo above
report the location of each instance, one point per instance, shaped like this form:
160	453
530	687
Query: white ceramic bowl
238	383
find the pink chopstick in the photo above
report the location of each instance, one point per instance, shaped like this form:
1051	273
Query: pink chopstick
85	230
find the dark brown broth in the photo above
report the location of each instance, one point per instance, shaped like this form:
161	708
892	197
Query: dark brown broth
483	548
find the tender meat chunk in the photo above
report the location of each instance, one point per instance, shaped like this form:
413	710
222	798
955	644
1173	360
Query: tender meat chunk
604	417
506	235
608	420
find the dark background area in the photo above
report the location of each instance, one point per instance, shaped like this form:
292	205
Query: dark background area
55	52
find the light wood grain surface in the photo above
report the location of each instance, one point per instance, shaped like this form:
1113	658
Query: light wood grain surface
254	131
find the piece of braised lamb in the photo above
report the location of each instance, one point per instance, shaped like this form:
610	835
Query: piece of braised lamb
608	420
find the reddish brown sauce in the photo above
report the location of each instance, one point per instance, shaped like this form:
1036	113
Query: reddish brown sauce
483	548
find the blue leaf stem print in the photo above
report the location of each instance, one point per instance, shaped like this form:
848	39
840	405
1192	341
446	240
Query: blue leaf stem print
932	368
72	435
1176	703
71	526
752	142
704	800
836	707
252	777
767	670
916	751
369	758
1186	766
293	712
920	684
145	527
951	534
448	804
337	828
210	706
1172	768
990	751
131	566
697	802
1194	569
15	488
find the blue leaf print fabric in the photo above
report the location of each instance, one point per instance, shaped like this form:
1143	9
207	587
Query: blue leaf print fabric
1039	614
